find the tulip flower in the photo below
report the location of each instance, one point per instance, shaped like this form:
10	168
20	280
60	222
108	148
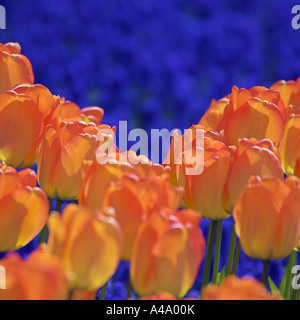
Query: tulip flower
135	198
160	296
21	129
24	208
204	192
89	244
45	101
15	68
167	253
267	217
252	157
65	155
98	178
233	288
289	92
39	277
183	151
70	111
255	113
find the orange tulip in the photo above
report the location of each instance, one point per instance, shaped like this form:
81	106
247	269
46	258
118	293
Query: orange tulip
289	92
252	157
160	296
255	113
45	101
21	129
267	217
183	150
39	277
64	158
24	208
135	198
204	192
234	288
89	244
70	111
168	251
15	68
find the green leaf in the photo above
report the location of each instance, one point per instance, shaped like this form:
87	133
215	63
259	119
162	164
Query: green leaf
272	285
221	275
283	282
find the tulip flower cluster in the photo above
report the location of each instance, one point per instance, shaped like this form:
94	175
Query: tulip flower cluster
146	214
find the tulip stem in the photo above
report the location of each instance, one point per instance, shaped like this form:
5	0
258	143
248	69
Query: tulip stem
58	205
265	272
236	257
288	284
45	229
103	291
217	252
129	289
210	245
70	295
231	250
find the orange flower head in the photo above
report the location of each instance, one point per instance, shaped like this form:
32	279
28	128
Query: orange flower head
15	68
89	244
21	129
252	157
204	192
134	198
267	217
234	288
40	277
65	156
255	113
24	208
167	253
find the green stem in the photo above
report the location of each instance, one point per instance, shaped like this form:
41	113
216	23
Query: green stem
70	295
210	246
103	291
44	232
217	252
129	289
236	257
288	284
58	205
265	272
231	250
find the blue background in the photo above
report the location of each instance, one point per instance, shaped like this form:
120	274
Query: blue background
156	63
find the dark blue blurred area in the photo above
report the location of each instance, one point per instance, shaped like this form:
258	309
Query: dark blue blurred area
156	63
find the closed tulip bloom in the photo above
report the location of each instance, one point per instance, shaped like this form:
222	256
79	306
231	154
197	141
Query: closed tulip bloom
40	277
21	129
134	198
168	251
183	150
255	113
15	68
64	158
267	217
89	244
98	178
24	208
45	101
70	111
290	144
204	192
252	157
234	288
289	92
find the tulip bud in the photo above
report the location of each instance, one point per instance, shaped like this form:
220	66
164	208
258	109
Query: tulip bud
24	208
89	244
267	217
168	251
